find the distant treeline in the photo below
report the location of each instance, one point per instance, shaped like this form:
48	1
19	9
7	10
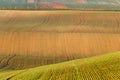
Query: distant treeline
69	4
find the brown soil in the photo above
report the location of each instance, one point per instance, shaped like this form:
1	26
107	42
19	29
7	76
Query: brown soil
58	44
46	37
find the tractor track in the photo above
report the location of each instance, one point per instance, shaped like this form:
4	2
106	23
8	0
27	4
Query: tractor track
6	61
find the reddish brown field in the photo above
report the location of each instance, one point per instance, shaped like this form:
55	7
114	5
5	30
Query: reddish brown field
56	36
58	44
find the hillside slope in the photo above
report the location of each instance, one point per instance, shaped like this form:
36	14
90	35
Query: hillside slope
48	37
105	67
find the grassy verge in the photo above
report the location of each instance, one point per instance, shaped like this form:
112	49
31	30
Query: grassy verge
100	67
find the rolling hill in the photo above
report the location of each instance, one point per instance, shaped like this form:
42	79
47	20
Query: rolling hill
66	44
48	37
105	67
61	4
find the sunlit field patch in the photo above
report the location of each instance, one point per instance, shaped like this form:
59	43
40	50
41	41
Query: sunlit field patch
48	37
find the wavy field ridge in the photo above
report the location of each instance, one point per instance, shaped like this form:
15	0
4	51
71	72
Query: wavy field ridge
59	21
105	67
